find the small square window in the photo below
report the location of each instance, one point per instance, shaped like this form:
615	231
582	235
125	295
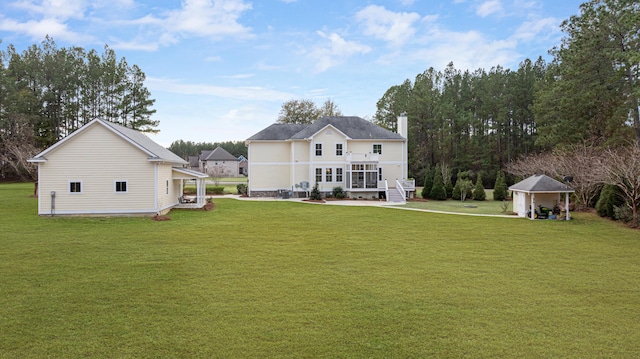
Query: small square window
121	186
75	187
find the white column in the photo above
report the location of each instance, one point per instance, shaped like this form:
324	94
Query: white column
566	205
533	206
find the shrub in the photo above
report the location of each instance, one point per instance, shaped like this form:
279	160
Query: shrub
438	191
500	188
610	198
448	186
478	192
338	192
315	193
216	190
242	189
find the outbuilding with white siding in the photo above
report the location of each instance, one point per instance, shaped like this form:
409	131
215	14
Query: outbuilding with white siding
536	191
107	169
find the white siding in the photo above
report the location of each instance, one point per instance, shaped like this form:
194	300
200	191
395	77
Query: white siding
97	158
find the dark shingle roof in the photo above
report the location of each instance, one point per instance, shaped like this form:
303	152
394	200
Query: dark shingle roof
219	154
540	183
353	127
277	132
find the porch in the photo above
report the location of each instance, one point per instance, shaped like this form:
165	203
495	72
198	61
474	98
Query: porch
190	202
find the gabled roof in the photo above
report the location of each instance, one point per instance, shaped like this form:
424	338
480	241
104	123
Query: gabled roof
136	138
541	184
354	128
219	154
278	132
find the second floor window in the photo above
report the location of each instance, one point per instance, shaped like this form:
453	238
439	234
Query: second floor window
338	149
377	148
318	149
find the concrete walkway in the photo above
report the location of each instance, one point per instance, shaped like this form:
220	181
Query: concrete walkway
370	203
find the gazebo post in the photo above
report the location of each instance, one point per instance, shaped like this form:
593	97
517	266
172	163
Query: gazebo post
566	205
533	206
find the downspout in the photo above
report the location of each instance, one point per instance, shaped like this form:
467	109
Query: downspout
155	186
292	165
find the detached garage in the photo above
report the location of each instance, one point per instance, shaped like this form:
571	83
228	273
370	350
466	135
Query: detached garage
538	191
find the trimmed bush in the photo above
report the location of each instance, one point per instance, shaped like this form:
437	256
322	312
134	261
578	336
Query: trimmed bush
242	189
478	192
315	193
338	193
438	192
500	188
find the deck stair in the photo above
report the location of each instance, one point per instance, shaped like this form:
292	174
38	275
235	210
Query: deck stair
394	196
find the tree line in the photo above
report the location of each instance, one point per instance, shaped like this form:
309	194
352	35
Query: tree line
185	149
578	115
47	92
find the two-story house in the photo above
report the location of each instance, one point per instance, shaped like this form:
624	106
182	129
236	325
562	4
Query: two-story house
364	159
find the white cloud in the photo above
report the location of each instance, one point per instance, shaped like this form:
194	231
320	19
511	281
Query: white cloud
489	8
62	9
467	50
208	18
37	30
335	50
538	29
394	28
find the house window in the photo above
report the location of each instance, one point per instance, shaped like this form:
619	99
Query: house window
318	149
329	175
377	148
121	187
380	174
318	174
338	149
338	174
75	186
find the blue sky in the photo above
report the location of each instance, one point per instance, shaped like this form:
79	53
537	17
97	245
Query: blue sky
220	70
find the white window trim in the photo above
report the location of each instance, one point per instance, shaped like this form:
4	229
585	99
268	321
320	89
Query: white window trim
115	186
315	149
342	149
75	181
341	174
321	174
373	148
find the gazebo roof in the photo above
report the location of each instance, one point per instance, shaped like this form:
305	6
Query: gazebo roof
541	184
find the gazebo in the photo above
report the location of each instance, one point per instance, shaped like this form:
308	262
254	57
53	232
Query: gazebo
539	190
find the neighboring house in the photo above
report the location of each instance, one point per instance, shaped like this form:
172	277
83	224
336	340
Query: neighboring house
536	191
107	169
349	152
243	166
219	163
194	163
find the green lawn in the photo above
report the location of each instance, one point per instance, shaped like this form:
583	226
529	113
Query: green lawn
286	279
